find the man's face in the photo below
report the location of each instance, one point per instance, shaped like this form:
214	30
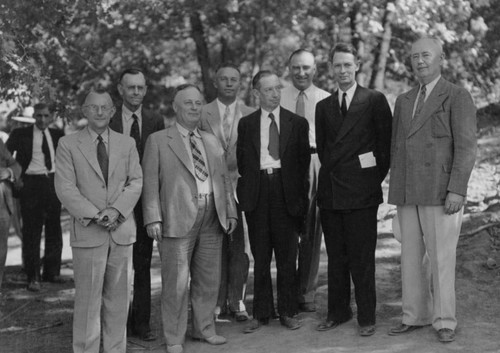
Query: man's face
132	89
269	92
187	106
426	59
345	66
98	109
227	82
43	118
302	69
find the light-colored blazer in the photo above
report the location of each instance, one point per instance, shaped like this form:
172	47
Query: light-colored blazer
170	194
211	122
434	153
82	190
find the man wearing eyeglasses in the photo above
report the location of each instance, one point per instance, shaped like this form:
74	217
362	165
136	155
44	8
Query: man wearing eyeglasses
132	120
99	181
35	148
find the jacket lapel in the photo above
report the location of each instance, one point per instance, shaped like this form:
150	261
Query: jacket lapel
209	146
285	130
255	131
88	150
116	121
214	120
234	129
353	113
177	145
407	108
114	155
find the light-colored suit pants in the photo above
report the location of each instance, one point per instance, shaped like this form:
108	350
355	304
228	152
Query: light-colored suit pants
197	254
102	291
429	240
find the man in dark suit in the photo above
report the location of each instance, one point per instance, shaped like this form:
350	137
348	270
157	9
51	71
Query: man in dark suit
131	119
35	148
273	160
353	135
432	155
221	118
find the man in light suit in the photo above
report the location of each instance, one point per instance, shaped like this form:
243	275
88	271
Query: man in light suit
353	134
301	98
221	118
132	120
188	206
99	180
273	159
35	148
10	171
432	155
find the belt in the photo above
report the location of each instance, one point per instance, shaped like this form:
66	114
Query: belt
203	196
270	171
313	150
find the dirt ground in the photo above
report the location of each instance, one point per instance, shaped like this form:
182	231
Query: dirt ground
41	322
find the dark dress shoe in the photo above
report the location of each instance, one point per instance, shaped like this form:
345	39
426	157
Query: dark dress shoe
331	324
255	325
446	335
241	316
401	329
34	286
290	323
148	336
366	331
307	307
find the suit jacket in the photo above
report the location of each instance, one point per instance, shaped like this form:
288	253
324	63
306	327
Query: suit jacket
82	190
170	194
294	154
211	122
7	161
21	142
342	182
151	122
435	152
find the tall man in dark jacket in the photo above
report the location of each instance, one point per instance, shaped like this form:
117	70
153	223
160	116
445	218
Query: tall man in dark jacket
35	149
131	119
273	161
353	135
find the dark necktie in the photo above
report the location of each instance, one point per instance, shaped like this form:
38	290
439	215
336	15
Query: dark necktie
300	108
46	152
102	158
343	107
274	139
135	133
420	102
200	169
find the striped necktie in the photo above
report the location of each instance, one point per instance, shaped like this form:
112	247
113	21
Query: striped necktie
200	169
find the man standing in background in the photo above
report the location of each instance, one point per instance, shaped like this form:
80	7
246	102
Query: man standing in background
134	121
301	98
221	118
35	148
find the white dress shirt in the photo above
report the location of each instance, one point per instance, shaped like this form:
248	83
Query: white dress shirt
349	95
105	138
127	119
37	164
266	161
428	89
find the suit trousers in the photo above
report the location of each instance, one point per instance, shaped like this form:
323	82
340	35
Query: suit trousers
351	239
40	207
234	269
197	254
4	236
270	227
103	276
429	241
140	310
310	242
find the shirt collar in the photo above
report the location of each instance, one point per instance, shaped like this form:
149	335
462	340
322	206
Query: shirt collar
222	107
128	114
307	92
35	128
430	86
276	112
349	92
94	135
185	132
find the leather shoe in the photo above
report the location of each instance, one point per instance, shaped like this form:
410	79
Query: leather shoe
366	331
34	286
446	335
241	316
215	340
255	325
290	322
176	348
401	329
147	336
307	307
331	324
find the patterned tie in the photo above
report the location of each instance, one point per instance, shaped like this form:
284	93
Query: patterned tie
200	168
135	133
420	102
343	107
46	152
274	139
102	158
300	108
227	122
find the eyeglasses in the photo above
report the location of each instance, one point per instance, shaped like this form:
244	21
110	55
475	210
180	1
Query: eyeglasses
94	109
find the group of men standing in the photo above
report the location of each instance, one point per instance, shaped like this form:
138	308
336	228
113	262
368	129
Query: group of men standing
304	163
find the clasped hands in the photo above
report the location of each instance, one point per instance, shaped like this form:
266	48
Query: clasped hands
108	218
